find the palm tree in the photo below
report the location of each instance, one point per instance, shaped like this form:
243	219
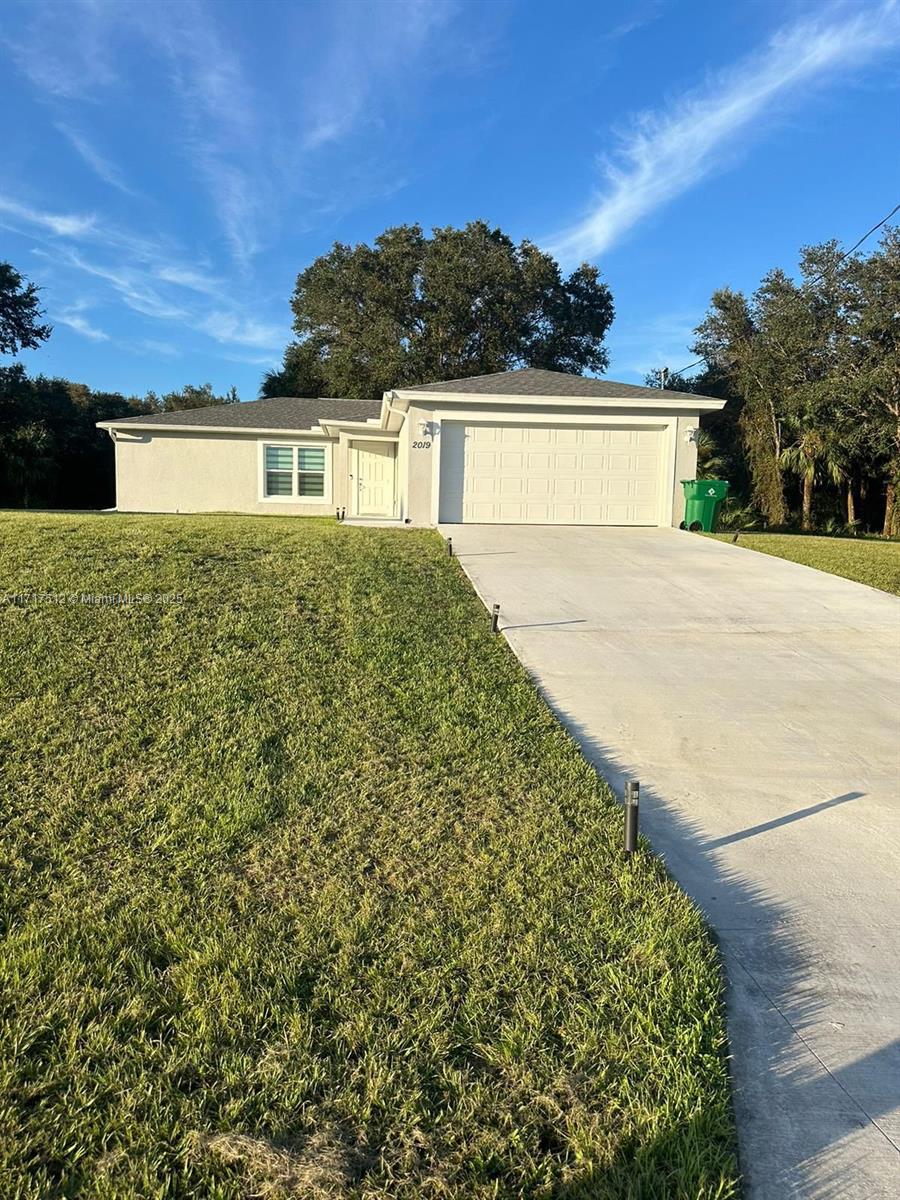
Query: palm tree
710	462
814	453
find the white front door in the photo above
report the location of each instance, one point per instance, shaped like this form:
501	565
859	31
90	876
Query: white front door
373	478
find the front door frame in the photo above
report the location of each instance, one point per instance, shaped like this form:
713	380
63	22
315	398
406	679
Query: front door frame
354	443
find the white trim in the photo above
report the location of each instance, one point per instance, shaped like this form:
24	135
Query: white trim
353	460
150	426
689	403
667	424
518	418
345	436
325	498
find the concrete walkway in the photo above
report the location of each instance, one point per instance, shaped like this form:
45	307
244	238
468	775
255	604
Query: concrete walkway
758	702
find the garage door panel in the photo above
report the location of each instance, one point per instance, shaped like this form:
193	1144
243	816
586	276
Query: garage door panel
594	462
539	435
485	487
483	433
593	487
551	475
643	489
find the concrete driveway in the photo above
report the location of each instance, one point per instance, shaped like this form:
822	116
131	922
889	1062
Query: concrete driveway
758	702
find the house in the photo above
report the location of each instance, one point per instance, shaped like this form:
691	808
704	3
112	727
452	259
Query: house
524	447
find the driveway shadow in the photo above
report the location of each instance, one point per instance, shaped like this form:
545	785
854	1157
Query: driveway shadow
650	1171
793	1114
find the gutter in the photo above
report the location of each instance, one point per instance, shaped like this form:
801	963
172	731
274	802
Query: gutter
690	402
147	426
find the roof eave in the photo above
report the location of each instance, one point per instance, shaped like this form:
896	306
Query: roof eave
149	426
689	403
334	425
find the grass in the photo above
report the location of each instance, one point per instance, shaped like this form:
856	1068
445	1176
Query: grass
865	560
305	893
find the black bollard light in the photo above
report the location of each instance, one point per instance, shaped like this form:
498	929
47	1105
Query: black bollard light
495	619
632	800
449	547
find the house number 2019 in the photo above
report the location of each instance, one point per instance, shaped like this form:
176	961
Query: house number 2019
421	445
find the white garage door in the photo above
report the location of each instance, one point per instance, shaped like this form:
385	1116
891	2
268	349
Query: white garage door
550	475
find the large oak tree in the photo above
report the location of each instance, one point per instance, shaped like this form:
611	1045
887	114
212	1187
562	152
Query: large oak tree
412	309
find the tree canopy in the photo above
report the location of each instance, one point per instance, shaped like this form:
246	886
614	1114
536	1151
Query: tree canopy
51	452
20	313
412	309
190	396
815	363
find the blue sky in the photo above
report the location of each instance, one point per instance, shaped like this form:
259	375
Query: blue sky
168	168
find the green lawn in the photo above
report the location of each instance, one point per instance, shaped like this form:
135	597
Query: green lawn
305	893
867	560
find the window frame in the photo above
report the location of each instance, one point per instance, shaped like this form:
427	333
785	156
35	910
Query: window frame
294	497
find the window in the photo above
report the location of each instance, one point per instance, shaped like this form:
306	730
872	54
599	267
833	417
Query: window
279	467
311	471
296	473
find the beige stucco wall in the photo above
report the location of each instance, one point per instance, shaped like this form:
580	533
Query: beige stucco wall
420	441
207	472
685	462
161	471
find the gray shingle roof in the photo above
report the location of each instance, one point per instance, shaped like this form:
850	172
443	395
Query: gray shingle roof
531	381
280	412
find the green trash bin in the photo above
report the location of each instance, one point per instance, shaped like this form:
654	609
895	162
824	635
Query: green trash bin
703	499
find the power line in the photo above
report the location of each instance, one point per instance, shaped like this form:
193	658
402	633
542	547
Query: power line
884	221
840	258
681	370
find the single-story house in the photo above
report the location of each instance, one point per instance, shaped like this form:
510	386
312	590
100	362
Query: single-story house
523	447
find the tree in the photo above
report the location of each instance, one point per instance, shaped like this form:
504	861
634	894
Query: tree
717	440
729	339
300	375
811	456
411	309
20	313
51	452
870	365
192	396
28	458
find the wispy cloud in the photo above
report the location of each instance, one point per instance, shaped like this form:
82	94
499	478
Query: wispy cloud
243	331
65	49
156	289
639	16
670	151
153	346
130	285
99	164
61	224
248	139
366	44
221	135
188	277
72	317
